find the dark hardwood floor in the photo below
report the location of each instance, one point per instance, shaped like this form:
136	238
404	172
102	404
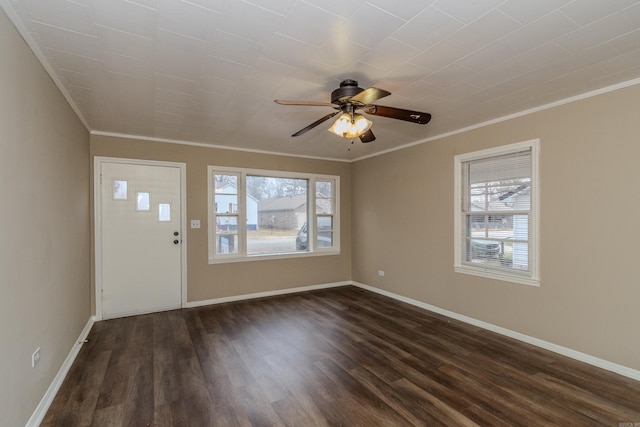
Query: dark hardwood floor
342	356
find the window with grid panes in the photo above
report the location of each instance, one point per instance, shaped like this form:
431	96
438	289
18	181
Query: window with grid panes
257	214
496	213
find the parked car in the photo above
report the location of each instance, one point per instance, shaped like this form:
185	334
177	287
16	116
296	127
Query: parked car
485	249
302	241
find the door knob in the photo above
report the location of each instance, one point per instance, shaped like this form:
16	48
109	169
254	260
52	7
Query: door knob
175	242
175	233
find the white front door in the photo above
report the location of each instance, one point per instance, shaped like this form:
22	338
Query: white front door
140	232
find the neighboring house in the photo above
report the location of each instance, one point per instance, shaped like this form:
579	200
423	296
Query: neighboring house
284	213
227	202
519	199
288	213
512	226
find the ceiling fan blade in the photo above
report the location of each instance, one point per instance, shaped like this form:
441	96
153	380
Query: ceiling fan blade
367	96
307	103
316	123
398	113
368	136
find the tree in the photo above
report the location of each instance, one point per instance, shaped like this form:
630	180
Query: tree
265	187
222	181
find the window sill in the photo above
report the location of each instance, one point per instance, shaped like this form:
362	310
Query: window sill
497	275
249	258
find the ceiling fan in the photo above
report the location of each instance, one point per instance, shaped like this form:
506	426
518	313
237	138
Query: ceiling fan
348	99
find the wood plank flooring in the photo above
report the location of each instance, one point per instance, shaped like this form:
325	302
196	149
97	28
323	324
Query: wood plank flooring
337	357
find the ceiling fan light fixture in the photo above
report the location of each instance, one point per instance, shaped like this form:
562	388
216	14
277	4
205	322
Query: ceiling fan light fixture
347	127
341	125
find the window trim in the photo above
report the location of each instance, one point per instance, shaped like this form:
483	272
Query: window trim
531	278
242	255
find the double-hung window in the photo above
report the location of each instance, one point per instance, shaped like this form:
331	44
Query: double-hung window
496	213
258	214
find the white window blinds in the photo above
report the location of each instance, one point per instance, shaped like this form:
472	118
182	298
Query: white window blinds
496	211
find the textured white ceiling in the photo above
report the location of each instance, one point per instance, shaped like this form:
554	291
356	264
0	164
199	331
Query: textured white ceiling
207	71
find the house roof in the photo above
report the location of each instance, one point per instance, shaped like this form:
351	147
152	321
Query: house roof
207	71
282	204
231	189
292	203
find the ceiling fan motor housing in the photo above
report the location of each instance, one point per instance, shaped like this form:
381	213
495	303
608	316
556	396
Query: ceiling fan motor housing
347	89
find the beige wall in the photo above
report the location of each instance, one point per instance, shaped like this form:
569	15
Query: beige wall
44	245
209	281
590	204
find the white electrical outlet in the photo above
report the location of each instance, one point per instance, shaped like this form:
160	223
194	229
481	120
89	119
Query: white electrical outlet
380	272
35	357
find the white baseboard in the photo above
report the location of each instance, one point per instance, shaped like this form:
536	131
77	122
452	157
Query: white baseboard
45	402
202	303
139	312
582	357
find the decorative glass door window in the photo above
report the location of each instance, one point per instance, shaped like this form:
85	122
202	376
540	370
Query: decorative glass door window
119	189
164	212
143	201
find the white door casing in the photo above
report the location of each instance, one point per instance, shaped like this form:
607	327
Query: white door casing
140	247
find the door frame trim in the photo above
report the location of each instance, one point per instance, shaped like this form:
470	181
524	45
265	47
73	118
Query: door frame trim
97	223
